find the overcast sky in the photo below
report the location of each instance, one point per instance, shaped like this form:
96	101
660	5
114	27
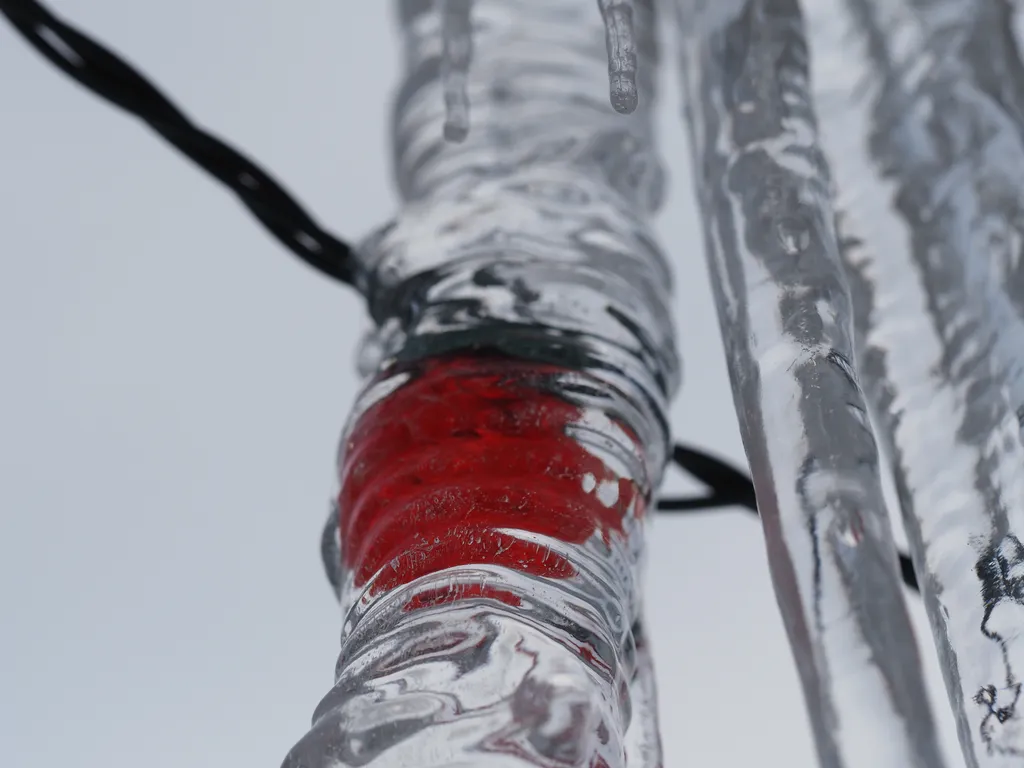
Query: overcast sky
174	384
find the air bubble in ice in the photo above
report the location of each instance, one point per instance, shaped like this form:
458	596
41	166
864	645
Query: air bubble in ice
608	492
621	42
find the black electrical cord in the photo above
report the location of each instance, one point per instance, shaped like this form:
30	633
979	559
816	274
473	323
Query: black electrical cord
729	487
110	77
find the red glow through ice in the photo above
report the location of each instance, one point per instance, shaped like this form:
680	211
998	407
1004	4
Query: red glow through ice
448	468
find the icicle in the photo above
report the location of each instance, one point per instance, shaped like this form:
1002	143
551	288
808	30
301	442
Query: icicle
621	43
786	317
457	34
928	161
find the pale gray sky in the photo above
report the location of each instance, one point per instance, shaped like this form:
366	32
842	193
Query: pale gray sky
175	382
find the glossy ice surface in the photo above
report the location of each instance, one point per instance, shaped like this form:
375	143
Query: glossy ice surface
537	224
496	470
786	316
859	176
929	160
491	527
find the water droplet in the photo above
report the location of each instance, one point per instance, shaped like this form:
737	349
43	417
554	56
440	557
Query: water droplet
457	34
621	43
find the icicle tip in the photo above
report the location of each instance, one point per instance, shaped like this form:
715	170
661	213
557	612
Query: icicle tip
620	40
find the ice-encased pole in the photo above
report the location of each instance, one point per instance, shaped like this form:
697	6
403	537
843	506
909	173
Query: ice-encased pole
785	312
929	161
495	472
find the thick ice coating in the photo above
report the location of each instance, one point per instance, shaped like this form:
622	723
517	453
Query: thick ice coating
496	471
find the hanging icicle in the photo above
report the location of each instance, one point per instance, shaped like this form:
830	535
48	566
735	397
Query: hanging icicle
929	160
786	318
457	54
618	23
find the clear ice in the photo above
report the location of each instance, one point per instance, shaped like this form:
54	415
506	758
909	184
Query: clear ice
786	316
929	159
456	58
531	237
864	231
618	24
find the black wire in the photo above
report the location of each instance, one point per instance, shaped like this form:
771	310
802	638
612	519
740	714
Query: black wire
730	487
109	76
